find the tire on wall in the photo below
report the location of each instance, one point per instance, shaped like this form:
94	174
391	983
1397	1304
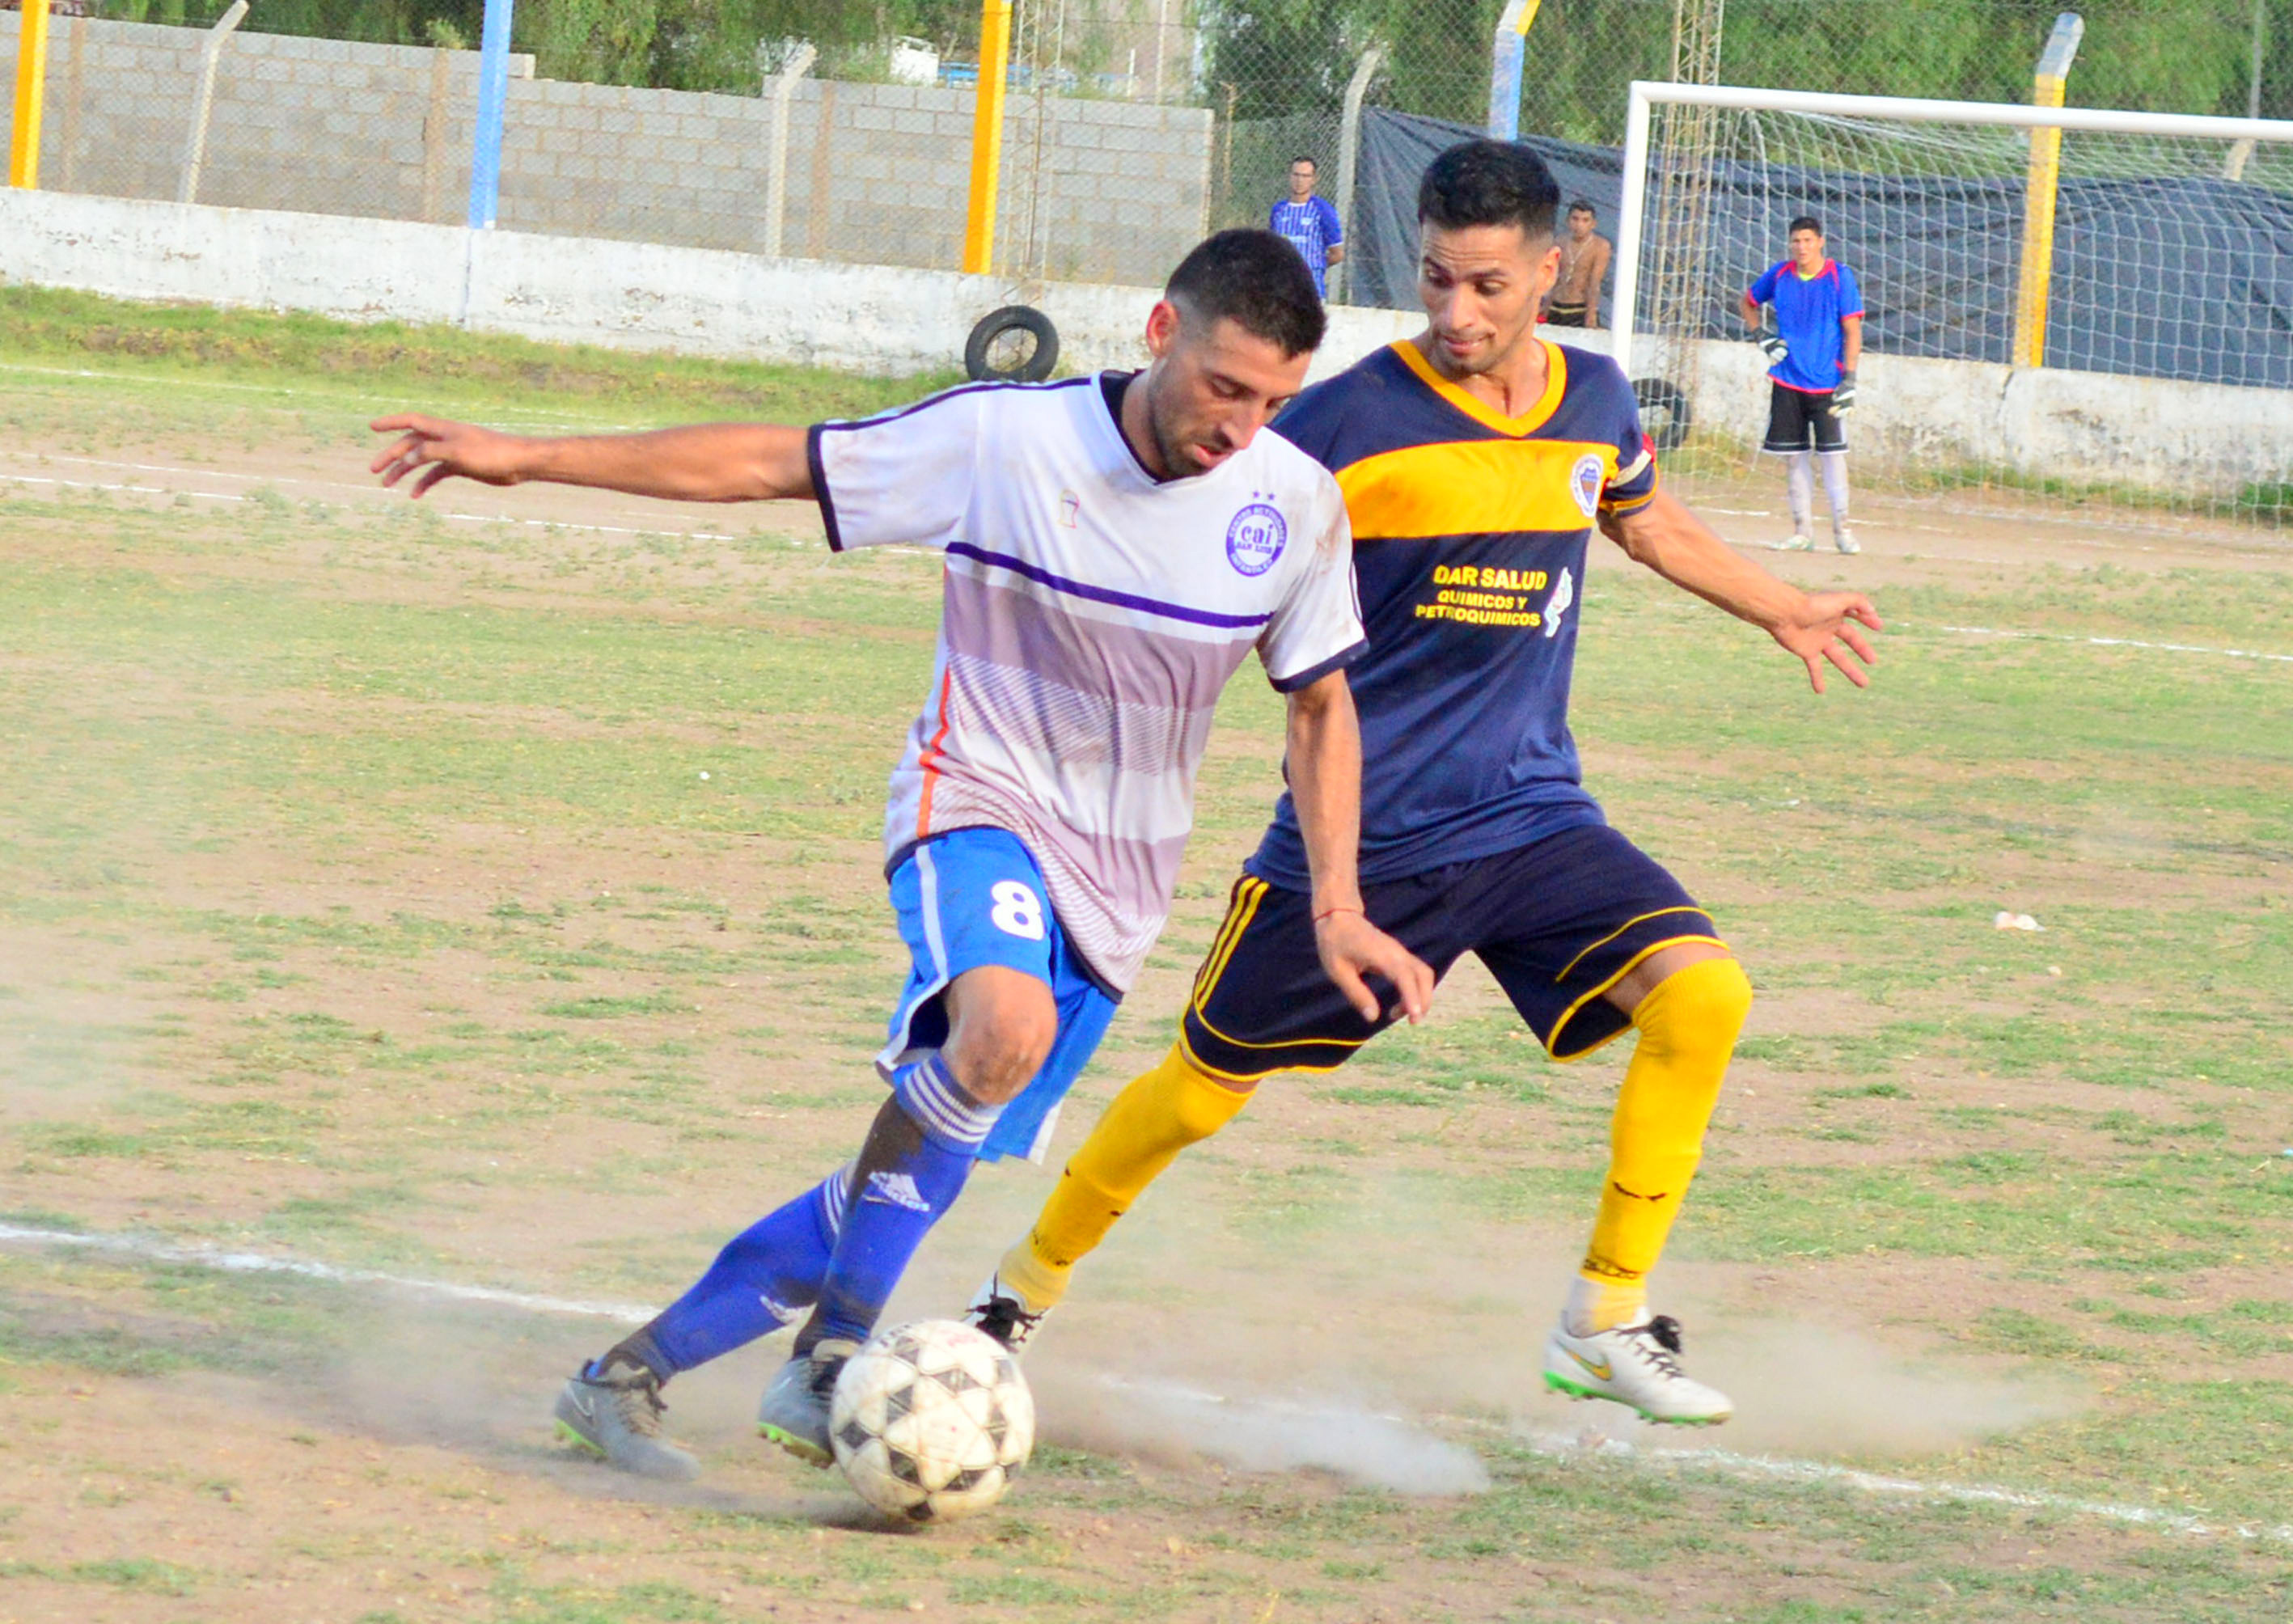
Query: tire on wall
1017	344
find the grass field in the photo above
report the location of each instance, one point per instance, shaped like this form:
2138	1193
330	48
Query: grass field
487	892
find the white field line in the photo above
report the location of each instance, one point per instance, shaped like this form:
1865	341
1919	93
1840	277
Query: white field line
2114	642
443	512
363	400
1789	1470
258	1262
1551	1446
1555	1446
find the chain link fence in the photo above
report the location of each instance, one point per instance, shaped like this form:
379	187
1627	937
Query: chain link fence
819	129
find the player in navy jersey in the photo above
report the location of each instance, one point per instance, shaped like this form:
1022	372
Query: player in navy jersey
1309	224
1475	460
1812	356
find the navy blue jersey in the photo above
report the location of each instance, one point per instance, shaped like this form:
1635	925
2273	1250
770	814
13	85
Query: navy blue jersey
1470	532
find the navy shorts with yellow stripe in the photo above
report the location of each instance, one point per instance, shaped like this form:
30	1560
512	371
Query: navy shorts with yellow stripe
1558	922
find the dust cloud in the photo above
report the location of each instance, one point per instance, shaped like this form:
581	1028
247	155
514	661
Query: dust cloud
1379	1343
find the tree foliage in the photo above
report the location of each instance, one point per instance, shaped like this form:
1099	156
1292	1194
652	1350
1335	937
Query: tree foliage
2167	55
1290	56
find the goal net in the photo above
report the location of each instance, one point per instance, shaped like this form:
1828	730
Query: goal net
2096	317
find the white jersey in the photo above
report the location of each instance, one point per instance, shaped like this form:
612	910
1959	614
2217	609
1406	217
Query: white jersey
1092	614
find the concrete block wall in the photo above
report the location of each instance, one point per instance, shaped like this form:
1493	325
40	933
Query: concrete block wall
876	174
319	126
650	296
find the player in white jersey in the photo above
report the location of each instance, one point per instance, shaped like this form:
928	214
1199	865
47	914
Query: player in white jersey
1115	545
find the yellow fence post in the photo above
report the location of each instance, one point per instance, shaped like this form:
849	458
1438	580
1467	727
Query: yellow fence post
31	87
987	137
2047	89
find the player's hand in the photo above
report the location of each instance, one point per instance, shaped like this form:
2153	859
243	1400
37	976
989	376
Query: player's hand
1352	947
441	449
1828	626
1772	346
1843	398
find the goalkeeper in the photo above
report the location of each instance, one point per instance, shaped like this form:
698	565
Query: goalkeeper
1811	360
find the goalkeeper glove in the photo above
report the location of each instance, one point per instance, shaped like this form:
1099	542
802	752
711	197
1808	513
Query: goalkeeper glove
1772	346
1843	399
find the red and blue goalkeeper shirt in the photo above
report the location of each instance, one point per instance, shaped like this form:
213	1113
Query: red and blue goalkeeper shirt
1808	311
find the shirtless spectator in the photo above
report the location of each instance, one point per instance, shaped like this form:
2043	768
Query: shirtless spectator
1574	300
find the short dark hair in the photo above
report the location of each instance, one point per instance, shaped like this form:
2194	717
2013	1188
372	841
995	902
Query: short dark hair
1305	158
1805	223
1578	206
1253	278
1489	183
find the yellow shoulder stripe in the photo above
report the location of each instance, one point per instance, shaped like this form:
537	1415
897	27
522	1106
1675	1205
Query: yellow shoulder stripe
1468	488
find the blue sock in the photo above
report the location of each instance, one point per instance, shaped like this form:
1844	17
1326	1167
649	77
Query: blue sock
894	1205
764	1277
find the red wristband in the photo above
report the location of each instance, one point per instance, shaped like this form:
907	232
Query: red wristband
1327	912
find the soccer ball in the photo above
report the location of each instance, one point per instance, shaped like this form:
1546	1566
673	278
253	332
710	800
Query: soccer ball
931	1421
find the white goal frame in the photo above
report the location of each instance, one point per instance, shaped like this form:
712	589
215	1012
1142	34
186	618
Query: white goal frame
1909	110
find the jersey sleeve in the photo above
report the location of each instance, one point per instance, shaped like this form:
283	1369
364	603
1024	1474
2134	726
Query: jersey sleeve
1851	295
1763	291
1632	486
902	478
1319	627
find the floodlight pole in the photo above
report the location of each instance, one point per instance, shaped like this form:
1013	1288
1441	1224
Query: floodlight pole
1505	53
987	137
2033	284
31	90
493	101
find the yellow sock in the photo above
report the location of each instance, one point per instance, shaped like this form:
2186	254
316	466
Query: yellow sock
1687	1029
1158	1114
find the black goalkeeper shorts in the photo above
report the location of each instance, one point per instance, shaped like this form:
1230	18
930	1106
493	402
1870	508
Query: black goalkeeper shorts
1800	421
1558	922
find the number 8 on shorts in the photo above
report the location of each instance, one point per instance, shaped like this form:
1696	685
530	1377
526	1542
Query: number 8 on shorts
1019	911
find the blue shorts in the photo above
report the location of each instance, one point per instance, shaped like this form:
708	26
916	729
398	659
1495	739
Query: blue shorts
974	897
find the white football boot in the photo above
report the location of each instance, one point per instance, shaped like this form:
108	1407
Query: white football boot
999	1310
1844	539
1799	541
1637	1366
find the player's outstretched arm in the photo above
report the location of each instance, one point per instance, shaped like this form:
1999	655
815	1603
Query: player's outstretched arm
1325	771
1818	627
711	462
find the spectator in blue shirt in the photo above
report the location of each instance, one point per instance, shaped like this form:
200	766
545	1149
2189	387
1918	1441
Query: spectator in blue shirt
1309	224
1811	360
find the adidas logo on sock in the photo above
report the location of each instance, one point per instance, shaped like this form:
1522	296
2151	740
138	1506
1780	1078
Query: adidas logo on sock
896	1190
779	1310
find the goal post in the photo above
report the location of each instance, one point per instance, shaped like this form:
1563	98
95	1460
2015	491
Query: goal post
2170	265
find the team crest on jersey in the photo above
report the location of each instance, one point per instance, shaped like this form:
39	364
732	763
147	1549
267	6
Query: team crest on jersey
1585	483
1256	538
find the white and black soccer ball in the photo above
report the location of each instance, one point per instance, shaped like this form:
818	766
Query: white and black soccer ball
932	1420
